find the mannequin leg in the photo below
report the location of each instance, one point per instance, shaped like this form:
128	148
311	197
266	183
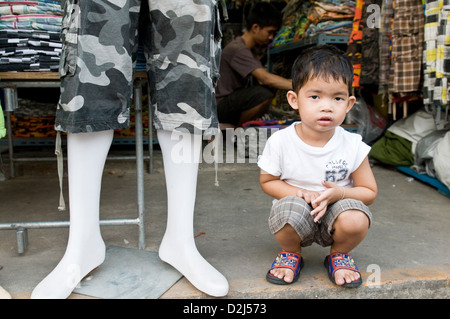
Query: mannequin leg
86	154
178	246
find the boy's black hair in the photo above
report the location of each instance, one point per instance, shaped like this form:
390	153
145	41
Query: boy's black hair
263	14
323	61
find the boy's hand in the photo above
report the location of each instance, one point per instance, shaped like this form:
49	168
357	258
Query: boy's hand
326	197
307	195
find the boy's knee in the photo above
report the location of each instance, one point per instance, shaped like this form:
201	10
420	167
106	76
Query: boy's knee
352	222
287	230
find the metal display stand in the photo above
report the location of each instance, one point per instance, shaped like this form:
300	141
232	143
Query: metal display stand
319	39
10	81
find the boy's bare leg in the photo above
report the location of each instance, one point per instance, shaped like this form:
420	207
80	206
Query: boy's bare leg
350	228
289	241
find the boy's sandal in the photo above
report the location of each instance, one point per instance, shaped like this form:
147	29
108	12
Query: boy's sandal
287	260
338	261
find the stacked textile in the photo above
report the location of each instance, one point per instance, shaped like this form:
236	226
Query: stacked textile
30	35
306	19
141	62
34	119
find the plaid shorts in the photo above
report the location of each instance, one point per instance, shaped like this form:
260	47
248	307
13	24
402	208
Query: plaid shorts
295	211
181	40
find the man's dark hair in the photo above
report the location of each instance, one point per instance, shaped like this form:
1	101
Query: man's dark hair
322	61
263	14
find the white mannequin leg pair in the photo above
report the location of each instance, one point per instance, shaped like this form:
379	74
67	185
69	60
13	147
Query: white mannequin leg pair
85	251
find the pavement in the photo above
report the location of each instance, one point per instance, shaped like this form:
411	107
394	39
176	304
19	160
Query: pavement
405	254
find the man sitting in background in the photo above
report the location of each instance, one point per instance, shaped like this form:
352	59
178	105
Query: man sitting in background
237	100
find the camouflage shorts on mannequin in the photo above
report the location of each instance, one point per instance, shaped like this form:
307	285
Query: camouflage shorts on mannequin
181	39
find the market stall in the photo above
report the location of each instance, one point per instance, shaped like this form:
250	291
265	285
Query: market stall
399	52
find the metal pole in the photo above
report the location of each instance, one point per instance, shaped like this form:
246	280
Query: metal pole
10	144
10	95
139	161
65	223
150	131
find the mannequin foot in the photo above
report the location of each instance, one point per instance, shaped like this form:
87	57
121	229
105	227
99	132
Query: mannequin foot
187	260
73	267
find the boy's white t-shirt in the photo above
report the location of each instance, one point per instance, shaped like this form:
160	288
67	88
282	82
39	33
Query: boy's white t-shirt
306	166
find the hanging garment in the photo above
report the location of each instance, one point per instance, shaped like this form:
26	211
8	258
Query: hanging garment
354	43
385	45
436	52
407	47
369	46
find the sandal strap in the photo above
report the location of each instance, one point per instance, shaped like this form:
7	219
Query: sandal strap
338	261
287	260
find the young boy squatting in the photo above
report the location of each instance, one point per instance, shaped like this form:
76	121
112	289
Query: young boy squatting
318	173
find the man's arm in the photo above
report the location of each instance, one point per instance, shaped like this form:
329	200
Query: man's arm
266	78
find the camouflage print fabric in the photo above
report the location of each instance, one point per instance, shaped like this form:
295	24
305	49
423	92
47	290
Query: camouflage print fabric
181	39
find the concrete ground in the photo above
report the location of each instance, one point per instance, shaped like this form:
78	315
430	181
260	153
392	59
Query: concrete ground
405	254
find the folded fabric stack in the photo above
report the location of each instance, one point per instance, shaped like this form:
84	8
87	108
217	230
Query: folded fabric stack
260	123
33	119
30	35
141	62
306	19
